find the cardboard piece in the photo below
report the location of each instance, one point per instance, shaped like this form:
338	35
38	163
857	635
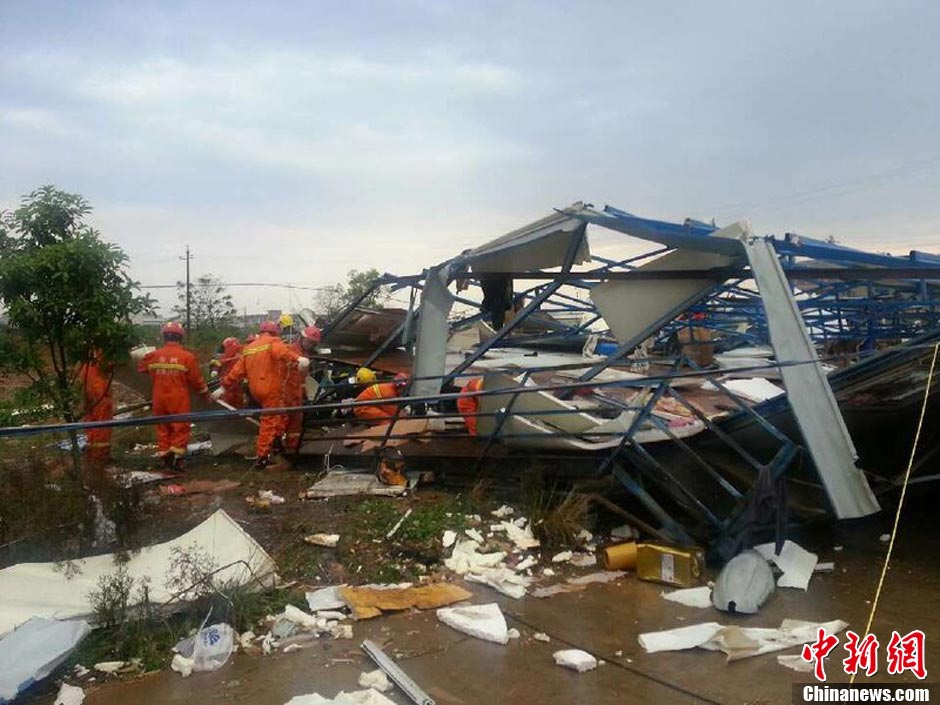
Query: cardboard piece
368	602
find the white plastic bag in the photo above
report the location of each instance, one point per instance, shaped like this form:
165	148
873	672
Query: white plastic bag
212	647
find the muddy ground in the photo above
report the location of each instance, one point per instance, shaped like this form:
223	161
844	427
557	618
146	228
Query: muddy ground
603	619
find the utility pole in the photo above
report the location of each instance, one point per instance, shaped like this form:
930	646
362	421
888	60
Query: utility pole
188	257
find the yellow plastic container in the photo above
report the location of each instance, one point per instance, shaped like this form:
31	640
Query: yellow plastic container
670	565
619	557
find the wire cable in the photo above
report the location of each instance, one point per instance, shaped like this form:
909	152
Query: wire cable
897	514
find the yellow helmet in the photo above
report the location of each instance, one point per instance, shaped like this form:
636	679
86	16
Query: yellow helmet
287	320
365	376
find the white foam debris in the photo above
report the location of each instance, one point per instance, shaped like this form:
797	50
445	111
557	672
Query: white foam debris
449	538
562	557
575	659
481	621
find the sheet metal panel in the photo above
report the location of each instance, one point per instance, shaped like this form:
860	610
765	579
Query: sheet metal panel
539	245
636	310
808	390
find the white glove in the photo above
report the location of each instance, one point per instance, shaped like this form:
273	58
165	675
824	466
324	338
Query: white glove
303	364
217	394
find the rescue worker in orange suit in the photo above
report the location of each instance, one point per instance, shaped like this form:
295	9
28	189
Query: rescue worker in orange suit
175	372
468	405
305	346
95	377
381	413
225	358
264	364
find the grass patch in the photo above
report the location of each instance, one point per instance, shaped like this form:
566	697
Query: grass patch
556	514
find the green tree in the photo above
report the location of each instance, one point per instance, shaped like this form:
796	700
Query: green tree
66	293
211	306
335	297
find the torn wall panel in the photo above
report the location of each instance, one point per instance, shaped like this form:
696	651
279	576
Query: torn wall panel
42	590
808	390
634	310
539	245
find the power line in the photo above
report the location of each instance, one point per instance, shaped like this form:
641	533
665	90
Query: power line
226	284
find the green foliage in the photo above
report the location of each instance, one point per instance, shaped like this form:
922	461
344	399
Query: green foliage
66	292
211	306
334	298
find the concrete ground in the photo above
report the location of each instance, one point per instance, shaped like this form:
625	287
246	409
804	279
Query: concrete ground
604	620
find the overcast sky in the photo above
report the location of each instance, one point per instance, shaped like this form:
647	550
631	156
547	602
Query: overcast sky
289	142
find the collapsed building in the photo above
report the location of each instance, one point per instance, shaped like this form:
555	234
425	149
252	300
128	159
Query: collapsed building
715	375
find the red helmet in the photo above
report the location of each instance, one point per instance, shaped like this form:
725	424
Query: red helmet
250	338
401	380
270	327
311	333
230	344
172	328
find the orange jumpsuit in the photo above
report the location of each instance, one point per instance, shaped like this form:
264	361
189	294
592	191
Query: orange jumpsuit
233	396
294	396
96	386
174	372
470	405
377	413
265	362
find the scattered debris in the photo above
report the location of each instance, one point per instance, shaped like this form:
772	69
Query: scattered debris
795	663
199	487
884	538
368	602
327	598
503	580
827	567
481	621
105	530
624	532
208	649
737	642
503	512
341	483
394	529
33	650
744	584
69	695
449	538
541	636
475	535
513	633
359	697
577	584
109	667
270	496
290	648
690	597
796	563
575	659
397	676
375	679
341	631
182	665
326	540
466	558
583	560
604	576
521	537
562	557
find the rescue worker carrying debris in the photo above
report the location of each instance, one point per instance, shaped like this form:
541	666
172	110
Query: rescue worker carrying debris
468	406
380	413
174	372
96	387
305	346
264	363
226	355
